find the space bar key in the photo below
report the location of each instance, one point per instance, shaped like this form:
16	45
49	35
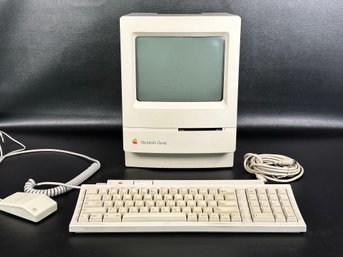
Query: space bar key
153	217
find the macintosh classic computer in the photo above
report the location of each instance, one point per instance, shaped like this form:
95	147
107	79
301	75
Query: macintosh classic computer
179	89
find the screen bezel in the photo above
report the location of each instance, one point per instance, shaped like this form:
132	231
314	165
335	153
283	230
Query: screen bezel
180	114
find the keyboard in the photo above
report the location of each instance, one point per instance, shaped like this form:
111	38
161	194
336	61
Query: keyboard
186	206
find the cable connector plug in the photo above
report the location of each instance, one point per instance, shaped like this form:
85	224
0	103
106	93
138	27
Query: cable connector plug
286	162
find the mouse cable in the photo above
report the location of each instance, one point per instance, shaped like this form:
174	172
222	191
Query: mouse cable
60	188
273	167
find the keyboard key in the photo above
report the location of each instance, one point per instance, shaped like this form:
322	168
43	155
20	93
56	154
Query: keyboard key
148	197
165	210
112	210
139	204
187	210
263	217
164	191
170	203
230	197
181	203
198	197
154	217
212	204
137	197
127	197
209	197
203	191
123	191
106	197
108	204
197	210
133	191
152	204
144	209
225	209
160	204
154	210
191	204
203	217
153	191
133	210
143	191
218	197
266	209
227	190
118	203
92	204
225	217
112	217
95	218
117	197
113	191
173	191
207	210
183	191
279	217
129	204
93	198
92	191
168	197
157	197
178	197
192	217
84	218
103	191
214	217
235	217
176	209
193	191
202	203
94	210
122	210
213	191
188	197
223	203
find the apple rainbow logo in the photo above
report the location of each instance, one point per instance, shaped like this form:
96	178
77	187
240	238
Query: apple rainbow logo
134	141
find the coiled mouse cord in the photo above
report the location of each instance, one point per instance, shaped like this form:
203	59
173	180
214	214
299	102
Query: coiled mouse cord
60	188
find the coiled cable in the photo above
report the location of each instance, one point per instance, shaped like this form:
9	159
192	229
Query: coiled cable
273	167
60	188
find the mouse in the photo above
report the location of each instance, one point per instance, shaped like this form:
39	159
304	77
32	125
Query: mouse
29	206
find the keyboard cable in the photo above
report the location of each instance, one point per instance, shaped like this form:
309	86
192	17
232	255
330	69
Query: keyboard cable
273	167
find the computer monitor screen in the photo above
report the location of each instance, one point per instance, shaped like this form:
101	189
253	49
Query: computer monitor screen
180	68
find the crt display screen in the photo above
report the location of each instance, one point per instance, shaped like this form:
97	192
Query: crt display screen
180	69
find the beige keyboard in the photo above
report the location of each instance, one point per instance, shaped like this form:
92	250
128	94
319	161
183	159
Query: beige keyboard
186	206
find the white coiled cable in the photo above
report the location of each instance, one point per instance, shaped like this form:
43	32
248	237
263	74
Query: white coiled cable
273	167
60	188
